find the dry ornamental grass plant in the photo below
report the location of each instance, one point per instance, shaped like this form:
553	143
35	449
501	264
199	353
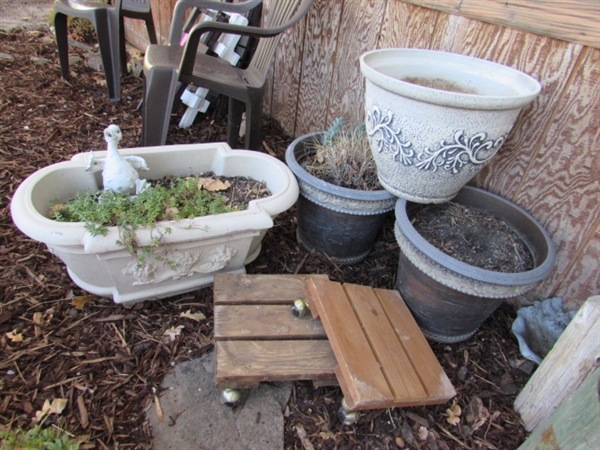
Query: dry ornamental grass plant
344	158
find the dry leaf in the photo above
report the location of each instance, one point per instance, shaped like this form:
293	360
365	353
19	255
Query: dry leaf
326	435
194	316
453	414
211	184
423	433
14	336
80	301
56	407
173	332
159	411
171	211
302	435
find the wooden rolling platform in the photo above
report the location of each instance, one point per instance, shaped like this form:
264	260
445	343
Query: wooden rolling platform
257	338
364	337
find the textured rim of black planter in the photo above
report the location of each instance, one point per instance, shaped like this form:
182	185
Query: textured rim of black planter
336	200
521	220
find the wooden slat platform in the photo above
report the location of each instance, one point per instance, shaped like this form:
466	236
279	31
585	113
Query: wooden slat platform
383	358
257	338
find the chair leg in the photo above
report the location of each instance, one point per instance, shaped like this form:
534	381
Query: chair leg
108	41
62	42
253	123
160	85
236	108
151	30
122	46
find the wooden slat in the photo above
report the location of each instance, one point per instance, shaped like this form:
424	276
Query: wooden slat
358	372
263	289
433	378
391	355
563	369
576	424
263	322
246	363
570	20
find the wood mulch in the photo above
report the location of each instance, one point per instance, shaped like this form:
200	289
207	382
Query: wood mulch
107	361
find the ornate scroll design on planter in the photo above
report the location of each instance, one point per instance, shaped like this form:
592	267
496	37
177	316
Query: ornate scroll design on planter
453	156
379	128
165	265
475	150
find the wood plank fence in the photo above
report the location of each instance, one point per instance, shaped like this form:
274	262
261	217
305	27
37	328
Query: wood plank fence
550	165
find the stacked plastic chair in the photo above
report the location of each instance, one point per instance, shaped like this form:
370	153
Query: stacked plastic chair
108	22
168	68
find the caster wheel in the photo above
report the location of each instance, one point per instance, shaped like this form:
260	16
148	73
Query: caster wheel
346	416
300	308
230	397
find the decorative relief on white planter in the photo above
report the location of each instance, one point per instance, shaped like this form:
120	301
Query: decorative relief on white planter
172	265
451	154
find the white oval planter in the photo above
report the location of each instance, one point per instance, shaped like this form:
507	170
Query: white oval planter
434	119
189	255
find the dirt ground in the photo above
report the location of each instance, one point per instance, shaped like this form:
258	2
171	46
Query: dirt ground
56	341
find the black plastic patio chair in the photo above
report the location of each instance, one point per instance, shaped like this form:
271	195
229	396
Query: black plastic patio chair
108	22
169	68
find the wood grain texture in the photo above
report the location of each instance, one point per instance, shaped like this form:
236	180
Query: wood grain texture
285	76
471	37
359	28
569	362
321	41
247	363
431	375
264	289
570	20
562	186
583	278
391	355
406	26
549	61
263	322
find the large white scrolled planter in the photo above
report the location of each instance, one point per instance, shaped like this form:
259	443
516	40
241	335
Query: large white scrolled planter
434	119
191	251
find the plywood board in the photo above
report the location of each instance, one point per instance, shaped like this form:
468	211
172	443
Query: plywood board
571	20
359	29
320	42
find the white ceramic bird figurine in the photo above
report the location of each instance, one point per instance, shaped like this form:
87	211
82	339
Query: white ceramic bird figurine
119	173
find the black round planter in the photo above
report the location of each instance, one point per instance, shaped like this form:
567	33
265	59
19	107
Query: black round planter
450	299
340	222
